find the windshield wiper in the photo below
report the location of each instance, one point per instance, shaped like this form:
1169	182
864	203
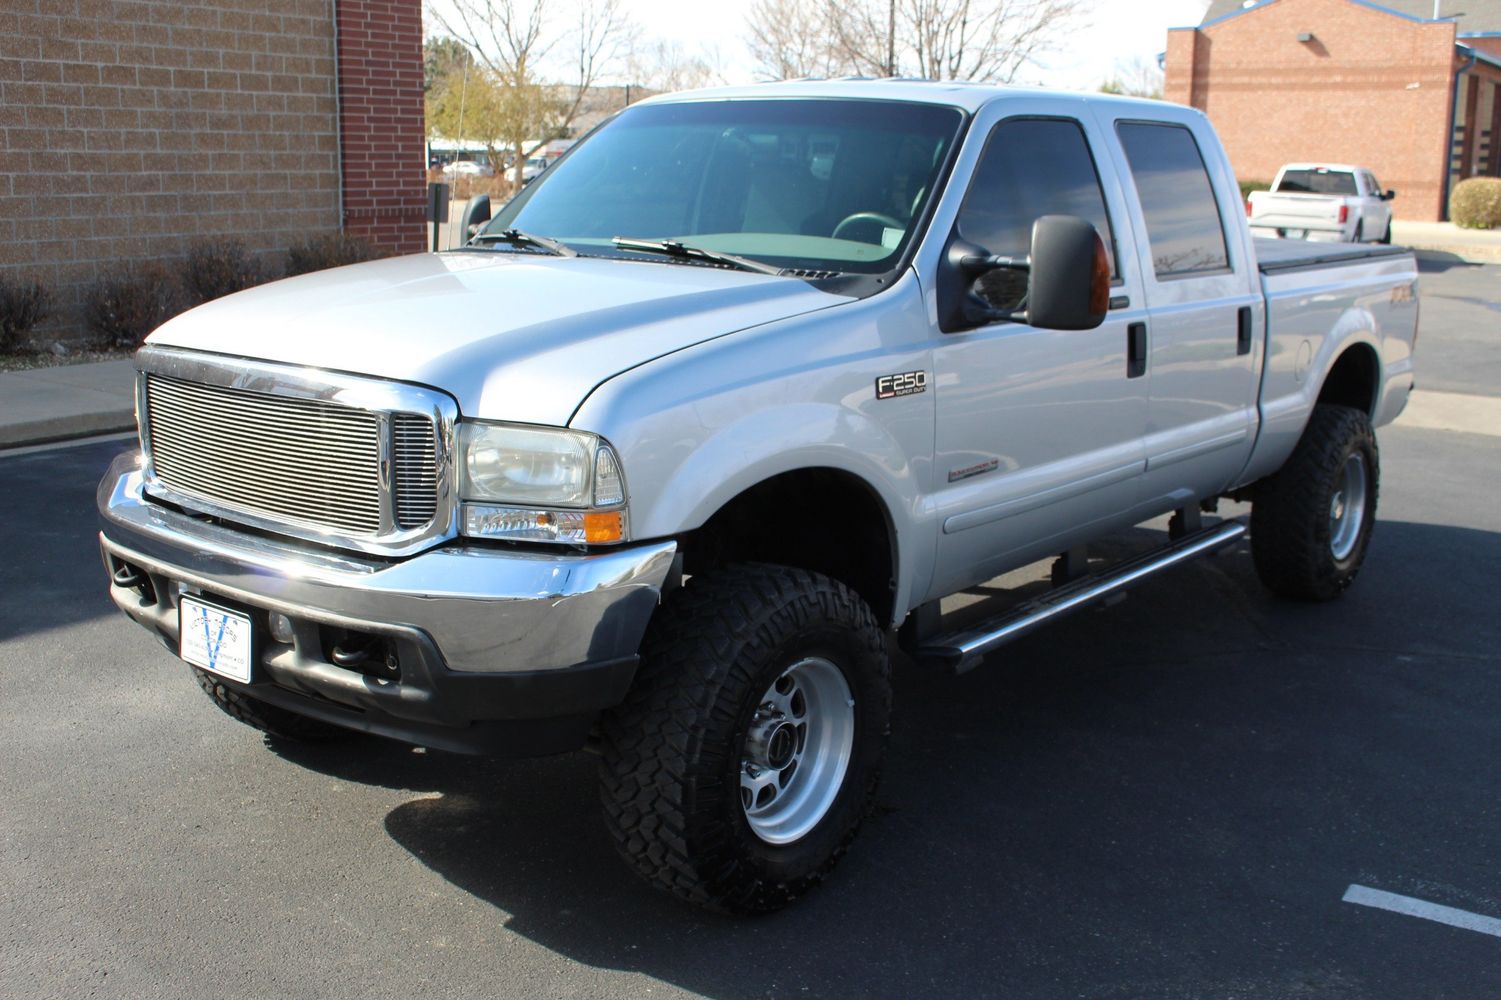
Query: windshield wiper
516	237
683	251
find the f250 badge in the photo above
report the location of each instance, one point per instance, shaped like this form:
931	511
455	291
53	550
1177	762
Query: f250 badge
902	384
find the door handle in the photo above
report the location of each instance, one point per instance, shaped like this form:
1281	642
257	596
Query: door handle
1243	334
1136	350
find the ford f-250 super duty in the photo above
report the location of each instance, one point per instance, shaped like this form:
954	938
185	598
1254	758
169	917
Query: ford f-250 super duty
748	379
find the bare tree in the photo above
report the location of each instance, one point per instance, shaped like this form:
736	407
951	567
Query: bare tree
663	67
1136	77
792	39
518	39
990	40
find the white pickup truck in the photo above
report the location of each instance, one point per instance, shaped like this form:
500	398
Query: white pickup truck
1333	203
742	387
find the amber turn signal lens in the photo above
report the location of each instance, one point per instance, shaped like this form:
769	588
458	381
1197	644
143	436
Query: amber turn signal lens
606	527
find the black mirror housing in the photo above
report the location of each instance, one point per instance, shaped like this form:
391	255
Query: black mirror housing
476	214
1390	194
1069	285
1068	279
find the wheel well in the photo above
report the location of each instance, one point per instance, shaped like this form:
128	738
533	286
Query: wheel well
823	520
1352	380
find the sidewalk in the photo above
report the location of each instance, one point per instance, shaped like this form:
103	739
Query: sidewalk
53	404
1477	246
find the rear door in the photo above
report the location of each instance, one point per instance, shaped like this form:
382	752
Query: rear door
1204	302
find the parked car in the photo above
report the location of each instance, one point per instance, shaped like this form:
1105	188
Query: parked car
468	168
1337	203
532	168
657	473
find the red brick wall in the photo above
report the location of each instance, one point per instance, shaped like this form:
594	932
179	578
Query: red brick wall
381	122
1371	89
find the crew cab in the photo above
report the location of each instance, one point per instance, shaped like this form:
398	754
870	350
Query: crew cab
747	381
1334	203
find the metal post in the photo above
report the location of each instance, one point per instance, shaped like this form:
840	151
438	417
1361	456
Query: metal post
891	39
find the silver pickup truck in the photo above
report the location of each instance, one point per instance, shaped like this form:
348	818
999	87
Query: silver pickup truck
744	385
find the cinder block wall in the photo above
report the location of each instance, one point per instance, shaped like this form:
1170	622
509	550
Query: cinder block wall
130	127
1369	88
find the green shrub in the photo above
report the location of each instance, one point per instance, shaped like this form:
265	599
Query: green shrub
1246	187
1476	203
214	268
333	250
22	306
122	308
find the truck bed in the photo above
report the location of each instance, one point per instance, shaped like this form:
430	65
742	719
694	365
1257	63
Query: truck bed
1275	256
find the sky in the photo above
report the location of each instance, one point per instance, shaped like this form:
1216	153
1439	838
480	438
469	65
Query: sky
1117	30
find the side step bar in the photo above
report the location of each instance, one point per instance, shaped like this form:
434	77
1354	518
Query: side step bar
962	651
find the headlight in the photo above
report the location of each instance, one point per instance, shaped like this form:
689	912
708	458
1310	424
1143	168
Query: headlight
540	484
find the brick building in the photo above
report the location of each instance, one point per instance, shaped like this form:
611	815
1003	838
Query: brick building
1388	85
130	127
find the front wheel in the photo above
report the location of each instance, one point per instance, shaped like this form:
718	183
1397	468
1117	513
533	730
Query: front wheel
743	761
1311	522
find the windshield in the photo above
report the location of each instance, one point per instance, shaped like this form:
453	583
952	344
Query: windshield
1317	181
825	185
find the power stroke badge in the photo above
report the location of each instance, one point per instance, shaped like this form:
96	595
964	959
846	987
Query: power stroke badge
901	384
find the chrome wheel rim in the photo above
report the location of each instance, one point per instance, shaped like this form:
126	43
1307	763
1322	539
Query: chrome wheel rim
797	751
1347	507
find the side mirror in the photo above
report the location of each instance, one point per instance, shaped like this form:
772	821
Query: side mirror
1067	279
1390	194
1069	287
476	214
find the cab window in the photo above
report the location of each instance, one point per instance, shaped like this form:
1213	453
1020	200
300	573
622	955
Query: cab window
1031	167
1184	228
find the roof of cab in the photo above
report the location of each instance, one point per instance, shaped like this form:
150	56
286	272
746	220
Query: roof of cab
967	96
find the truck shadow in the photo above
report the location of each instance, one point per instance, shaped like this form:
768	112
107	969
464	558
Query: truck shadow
51	575
1115	801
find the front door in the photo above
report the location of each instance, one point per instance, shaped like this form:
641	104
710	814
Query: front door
1038	437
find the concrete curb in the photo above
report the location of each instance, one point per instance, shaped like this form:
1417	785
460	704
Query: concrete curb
53	430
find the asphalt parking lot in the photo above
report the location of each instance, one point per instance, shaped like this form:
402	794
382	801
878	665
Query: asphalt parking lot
1169	797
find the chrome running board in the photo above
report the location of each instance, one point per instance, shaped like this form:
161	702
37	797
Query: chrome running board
963	650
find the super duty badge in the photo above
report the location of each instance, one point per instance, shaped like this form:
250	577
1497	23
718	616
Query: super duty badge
902	384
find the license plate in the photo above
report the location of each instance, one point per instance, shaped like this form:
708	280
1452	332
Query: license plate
215	639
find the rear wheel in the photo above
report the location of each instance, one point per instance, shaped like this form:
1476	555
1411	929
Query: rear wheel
741	765
1386	237
1311	522
268	719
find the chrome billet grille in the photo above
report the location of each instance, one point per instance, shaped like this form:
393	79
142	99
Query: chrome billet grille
300	460
414	445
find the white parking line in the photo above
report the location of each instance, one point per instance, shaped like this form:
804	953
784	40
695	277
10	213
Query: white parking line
1365	896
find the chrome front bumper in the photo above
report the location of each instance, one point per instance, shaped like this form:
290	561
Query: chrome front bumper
483	634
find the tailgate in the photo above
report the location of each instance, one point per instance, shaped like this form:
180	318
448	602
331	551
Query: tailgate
1304	211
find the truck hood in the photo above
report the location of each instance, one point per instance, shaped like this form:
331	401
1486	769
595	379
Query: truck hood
511	336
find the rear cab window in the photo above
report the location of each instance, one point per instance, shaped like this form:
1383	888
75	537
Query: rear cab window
1178	204
1317	180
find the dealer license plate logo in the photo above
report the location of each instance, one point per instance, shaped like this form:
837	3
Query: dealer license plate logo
215	639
